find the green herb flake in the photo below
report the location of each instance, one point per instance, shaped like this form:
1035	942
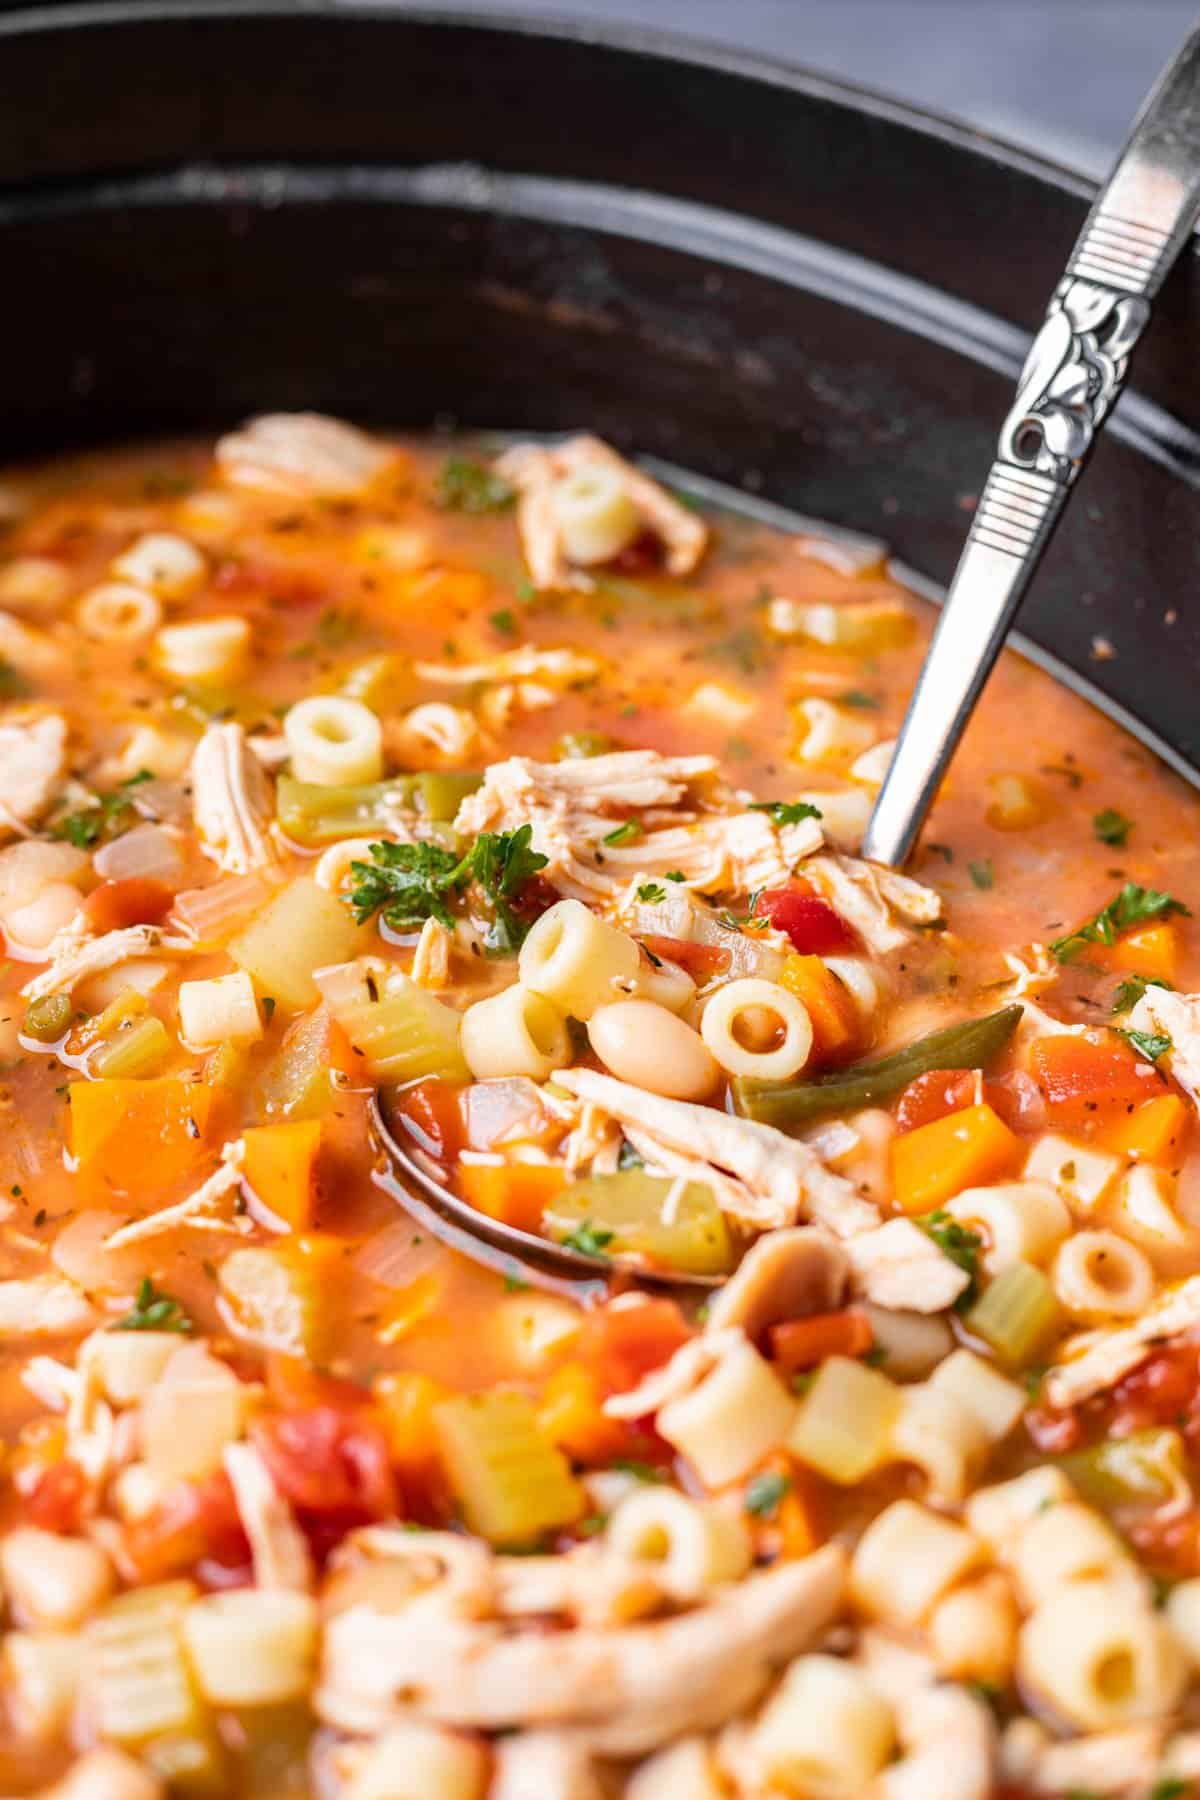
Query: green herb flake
1150	1044
588	1239
13	685
1131	990
1134	905
963	1247
982	873
1112	827
102	815
764	1494
1172	1787
674	875
467	486
409	883
504	622
641	1471
650	894
860	700
628	833
154	1310
787	812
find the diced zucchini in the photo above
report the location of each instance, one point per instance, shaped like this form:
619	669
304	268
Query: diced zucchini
513	1485
647	1215
844	1426
310	813
1016	1315
136	1674
272	1296
297	1082
301	929
385	683
138	1047
404	1035
1144	1469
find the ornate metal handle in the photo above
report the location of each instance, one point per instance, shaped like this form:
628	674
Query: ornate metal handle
1072	377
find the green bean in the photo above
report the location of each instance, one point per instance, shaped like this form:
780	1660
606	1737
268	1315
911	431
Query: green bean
972	1044
311	813
47	1019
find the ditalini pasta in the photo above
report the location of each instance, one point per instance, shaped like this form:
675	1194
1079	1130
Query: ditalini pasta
504	798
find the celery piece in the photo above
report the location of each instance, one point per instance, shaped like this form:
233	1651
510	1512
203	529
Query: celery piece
438	793
138	1047
310	813
272	1297
1016	1315
228	1067
136	1674
303	928
404	1035
844	1426
512	1483
1144	1469
648	1215
297	1082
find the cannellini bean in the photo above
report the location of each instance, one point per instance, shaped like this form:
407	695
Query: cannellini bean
334	741
641	1042
33	926
740	1001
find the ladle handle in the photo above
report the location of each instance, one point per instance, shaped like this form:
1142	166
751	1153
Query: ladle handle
1072	377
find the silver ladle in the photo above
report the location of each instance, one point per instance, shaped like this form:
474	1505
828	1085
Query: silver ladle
1074	373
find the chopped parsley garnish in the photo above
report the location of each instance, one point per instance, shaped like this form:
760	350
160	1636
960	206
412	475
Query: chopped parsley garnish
1152	1044
650	894
959	1244
787	812
588	1239
13	684
1134	905
982	873
410	883
859	698
764	1494
504	622
628	833
675	875
641	1471
1112	827
464	485
1132	989
154	1311
1171	1787
102	813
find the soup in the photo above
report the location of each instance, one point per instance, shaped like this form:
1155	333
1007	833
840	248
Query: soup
511	799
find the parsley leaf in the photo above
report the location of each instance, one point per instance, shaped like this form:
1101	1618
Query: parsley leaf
103	812
464	485
1112	827
982	873
1132	989
764	1493
504	622
787	812
627	833
675	875
959	1244
1171	1787
1132	906
13	684
651	894
588	1239
410	883
154	1311
1152	1044
859	699
641	1471
501	863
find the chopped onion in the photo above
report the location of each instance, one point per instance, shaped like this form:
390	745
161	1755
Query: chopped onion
212	914
498	1111
149	851
79	1254
399	1254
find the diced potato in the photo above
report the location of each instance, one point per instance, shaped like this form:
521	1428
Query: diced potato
844	1426
253	1646
512	1484
52	1580
40	1673
675	1226
303	928
129	1362
198	1388
221	1010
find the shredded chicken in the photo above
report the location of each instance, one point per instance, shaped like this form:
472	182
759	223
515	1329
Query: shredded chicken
451	733
769	1179
43	1306
299	454
277	1544
1107	1355
196	1210
872	899
33	759
622	1692
543	1765
73	960
949	1742
679	1375
785	1275
431	958
533	470
232	802
898	1266
562	668
1176	1016
1122	1762
1032	971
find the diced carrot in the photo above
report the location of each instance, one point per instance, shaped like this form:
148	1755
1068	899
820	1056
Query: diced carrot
1083	1082
140	1134
829	1005
137	900
792	1529
515	1193
406	1400
1154	1132
446	590
281	1168
700	960
571	1414
1152	951
411	1307
294	1383
803	1343
937	1161
624	1342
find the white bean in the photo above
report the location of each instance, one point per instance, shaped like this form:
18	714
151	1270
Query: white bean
641	1042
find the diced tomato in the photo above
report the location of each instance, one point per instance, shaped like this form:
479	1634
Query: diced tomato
430	1112
294	1383
196	1524
640	557
1054	1432
536	897
622	1343
138	900
1083	1081
1168	1541
329	1463
814	927
1163	1390
1014	1098
58	1499
802	1343
700	960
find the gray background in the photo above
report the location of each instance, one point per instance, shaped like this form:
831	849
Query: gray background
1061	76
